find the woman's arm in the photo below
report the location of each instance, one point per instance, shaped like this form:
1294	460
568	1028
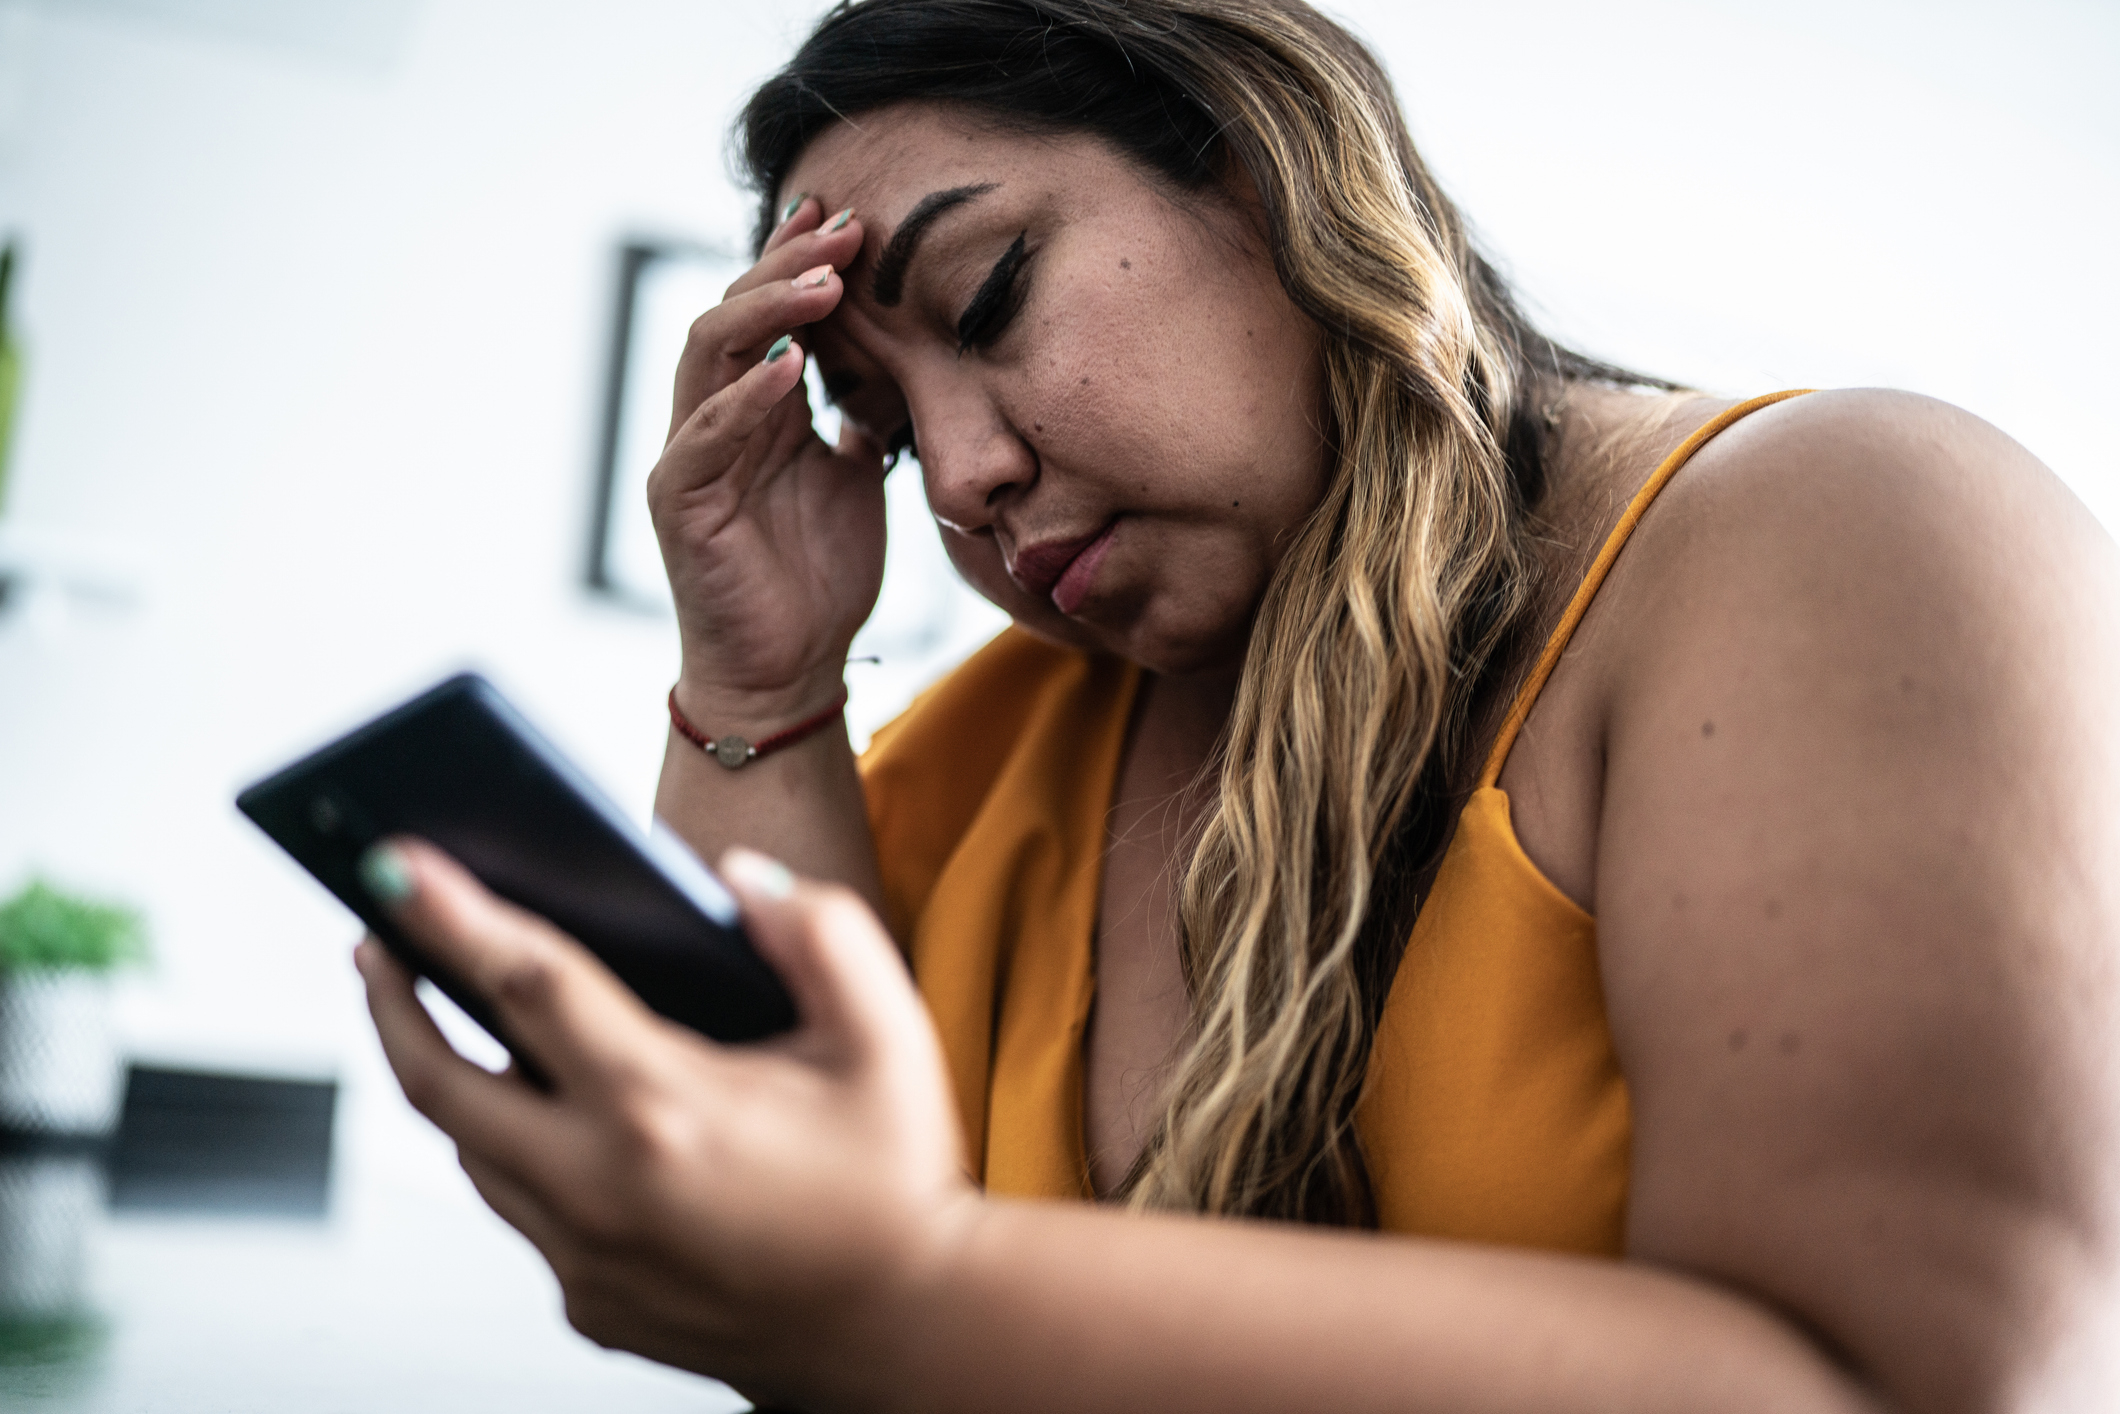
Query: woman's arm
1858	944
1044	1307
1858	897
802	804
774	545
794	1219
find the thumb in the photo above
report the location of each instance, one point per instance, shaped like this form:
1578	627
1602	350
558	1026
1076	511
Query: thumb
848	980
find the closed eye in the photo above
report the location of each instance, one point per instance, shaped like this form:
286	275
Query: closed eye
995	302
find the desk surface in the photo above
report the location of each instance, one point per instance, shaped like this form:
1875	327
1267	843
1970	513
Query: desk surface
405	1303
403	1299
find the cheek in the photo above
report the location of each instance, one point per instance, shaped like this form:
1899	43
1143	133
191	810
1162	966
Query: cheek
1179	391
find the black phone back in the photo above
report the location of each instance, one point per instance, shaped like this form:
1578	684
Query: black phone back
460	767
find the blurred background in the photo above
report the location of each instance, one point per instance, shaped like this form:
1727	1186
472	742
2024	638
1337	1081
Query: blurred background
315	310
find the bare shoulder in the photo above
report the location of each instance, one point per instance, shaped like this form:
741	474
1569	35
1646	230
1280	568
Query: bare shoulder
1882	483
1878	570
1857	900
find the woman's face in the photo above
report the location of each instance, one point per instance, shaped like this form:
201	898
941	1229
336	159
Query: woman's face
1117	409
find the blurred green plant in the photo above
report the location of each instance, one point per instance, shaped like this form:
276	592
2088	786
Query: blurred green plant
51	1340
45	929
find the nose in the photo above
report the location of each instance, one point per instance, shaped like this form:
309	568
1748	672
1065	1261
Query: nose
972	460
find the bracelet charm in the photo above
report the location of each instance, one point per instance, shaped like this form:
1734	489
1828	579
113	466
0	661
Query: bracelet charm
733	751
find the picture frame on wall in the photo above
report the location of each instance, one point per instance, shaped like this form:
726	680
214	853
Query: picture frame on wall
663	285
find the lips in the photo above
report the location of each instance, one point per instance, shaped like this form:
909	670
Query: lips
1063	569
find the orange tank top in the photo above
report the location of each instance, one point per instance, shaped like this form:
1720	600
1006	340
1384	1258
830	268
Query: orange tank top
1495	1110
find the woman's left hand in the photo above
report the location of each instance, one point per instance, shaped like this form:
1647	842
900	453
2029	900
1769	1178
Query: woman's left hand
755	1213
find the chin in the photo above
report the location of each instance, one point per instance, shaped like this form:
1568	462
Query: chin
1189	659
1168	650
1164	653
1057	629
1184	636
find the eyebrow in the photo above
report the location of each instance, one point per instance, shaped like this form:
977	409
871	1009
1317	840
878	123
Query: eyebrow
889	283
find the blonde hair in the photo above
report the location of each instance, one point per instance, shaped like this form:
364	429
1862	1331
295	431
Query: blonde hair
1355	690
1400	593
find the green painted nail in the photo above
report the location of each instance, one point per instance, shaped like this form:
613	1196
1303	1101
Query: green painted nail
780	346
844	217
794	205
762	872
384	873
779	881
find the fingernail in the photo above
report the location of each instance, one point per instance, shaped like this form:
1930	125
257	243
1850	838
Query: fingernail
386	875
759	872
780	346
811	279
844	217
787	213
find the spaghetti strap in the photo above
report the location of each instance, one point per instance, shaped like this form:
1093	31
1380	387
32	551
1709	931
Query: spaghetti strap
1580	604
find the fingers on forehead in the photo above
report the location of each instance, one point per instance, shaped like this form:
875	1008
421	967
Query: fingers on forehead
798	246
748	321
799	216
742	408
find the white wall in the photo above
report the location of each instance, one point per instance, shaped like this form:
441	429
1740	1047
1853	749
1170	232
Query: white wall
316	333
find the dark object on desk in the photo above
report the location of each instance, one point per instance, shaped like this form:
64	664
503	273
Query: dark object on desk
199	1142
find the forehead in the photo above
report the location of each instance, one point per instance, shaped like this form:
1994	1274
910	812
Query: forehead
883	163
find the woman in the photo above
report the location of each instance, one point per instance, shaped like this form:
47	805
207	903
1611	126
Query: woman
1695	962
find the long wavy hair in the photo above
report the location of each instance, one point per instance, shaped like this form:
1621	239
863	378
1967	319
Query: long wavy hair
1401	596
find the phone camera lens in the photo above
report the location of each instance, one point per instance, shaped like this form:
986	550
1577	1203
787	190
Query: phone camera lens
324	814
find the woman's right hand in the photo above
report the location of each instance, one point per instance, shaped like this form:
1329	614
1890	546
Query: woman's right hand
766	1213
773	540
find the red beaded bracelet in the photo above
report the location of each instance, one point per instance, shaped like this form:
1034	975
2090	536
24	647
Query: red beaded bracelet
733	751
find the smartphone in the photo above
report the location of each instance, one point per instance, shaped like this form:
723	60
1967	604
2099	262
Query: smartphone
462	768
